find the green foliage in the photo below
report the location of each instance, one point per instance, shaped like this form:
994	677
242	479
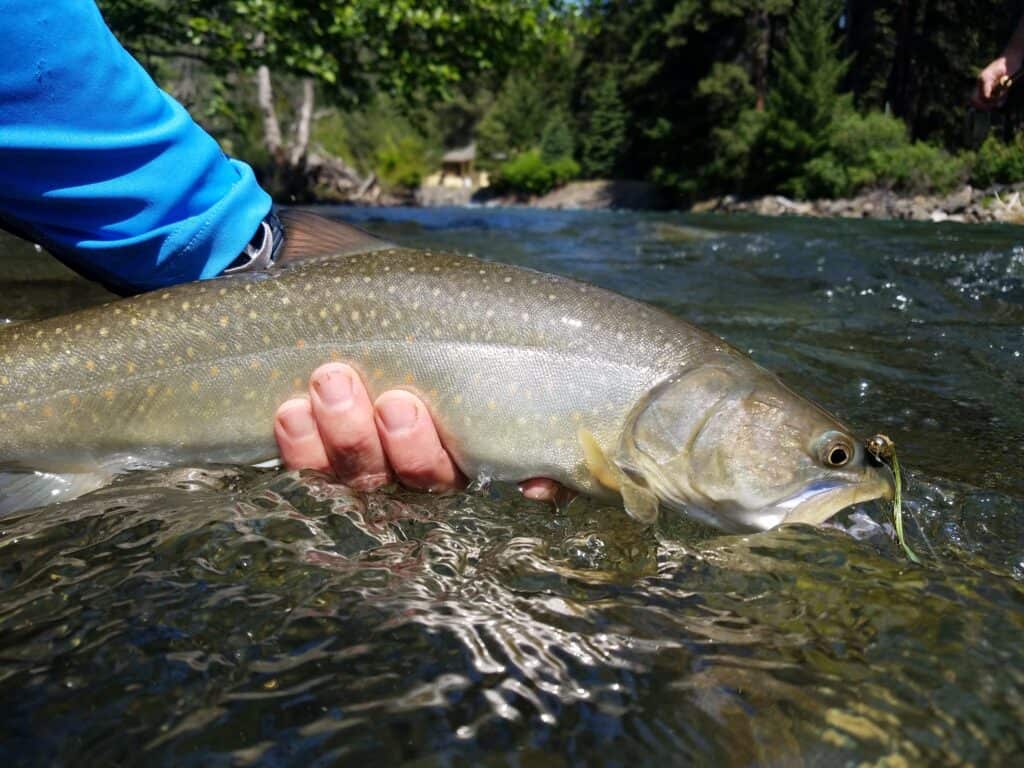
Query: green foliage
804	101
702	97
382	138
514	122
874	150
604	136
530	174
998	162
402	163
358	47
524	104
556	139
727	97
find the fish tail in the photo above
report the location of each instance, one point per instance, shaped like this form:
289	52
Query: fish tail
27	490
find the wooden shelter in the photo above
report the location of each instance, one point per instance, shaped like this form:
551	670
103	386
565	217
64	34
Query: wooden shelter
459	162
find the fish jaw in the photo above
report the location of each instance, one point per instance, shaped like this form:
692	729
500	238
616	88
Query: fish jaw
817	504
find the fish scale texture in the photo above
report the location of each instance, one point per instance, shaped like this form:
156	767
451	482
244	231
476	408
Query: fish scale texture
512	363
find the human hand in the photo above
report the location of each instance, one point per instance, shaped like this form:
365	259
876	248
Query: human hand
988	91
336	429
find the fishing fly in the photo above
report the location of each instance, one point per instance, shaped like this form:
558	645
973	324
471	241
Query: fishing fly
884	449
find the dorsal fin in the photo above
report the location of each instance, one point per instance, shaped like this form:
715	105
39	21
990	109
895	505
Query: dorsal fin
309	236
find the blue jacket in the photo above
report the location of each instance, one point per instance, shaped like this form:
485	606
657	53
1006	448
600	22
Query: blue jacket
102	167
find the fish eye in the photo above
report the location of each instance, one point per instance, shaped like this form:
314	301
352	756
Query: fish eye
837	451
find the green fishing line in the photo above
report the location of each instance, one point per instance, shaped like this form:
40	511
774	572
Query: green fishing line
897	510
885	451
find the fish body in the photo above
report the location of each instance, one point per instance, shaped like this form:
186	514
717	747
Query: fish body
526	374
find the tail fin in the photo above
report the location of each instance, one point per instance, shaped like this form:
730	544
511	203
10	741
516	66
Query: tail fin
27	490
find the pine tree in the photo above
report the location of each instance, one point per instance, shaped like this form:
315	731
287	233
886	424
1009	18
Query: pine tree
604	138
805	101
556	139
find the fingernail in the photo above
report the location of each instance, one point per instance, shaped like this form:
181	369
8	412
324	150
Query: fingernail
398	414
297	421
334	388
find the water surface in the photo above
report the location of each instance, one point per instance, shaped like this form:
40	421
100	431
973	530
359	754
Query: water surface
226	615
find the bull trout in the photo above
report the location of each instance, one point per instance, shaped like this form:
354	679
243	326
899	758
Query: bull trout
526	375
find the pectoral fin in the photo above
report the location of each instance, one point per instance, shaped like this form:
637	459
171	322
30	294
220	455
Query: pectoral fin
606	473
640	503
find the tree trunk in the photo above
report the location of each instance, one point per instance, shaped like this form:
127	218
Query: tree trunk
300	143
265	99
762	49
898	90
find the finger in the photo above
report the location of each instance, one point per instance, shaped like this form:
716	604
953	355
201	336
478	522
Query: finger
412	445
987	84
297	437
344	418
543	489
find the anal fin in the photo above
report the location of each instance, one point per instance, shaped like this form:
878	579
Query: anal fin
27	490
640	503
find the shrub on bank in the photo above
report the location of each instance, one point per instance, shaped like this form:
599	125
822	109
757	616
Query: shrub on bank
999	163
874	150
402	163
529	173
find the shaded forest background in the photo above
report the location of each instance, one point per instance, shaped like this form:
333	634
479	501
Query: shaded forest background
810	98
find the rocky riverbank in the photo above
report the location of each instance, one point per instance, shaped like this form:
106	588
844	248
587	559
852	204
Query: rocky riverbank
967	204
576	196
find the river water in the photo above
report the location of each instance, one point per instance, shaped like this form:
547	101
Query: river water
230	616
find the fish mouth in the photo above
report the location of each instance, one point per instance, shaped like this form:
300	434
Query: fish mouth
818	503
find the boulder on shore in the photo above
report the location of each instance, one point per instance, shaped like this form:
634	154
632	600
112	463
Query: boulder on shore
584	195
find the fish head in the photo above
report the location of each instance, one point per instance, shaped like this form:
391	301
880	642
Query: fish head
735	447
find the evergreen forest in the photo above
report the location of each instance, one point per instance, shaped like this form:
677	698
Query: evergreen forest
807	98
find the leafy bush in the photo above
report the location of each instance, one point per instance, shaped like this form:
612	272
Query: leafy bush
530	174
402	163
999	163
921	167
874	150
381	138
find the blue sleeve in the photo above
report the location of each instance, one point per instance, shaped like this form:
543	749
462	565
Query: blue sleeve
102	167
